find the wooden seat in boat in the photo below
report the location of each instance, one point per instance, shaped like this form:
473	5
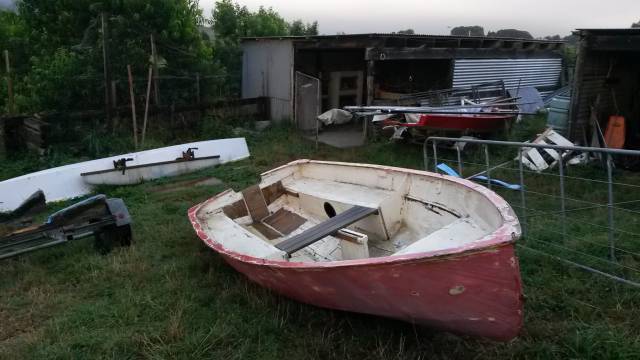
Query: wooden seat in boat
325	229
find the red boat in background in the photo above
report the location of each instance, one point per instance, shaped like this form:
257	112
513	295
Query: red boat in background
472	123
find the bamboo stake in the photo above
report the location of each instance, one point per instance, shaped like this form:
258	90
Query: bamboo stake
156	85
146	106
133	108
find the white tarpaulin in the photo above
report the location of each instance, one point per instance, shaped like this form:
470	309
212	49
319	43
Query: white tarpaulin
335	117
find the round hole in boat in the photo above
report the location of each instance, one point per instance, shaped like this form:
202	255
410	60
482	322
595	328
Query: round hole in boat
328	208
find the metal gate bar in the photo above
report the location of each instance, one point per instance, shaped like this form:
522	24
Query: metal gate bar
610	205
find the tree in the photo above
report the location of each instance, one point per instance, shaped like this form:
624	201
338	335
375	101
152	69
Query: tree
407	32
571	39
468	31
298	28
511	33
65	42
231	22
636	25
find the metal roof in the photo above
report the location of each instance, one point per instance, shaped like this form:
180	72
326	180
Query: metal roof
613	31
399	36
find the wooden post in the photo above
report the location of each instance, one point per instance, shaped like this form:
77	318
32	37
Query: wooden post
114	93
146	106
154	58
133	109
11	103
3	146
371	69
108	103
198	88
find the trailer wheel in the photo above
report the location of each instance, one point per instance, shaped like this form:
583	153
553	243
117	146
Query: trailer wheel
112	235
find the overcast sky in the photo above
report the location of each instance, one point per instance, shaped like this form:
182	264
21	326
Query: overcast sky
540	17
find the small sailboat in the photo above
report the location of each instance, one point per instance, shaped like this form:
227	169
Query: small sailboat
411	245
121	174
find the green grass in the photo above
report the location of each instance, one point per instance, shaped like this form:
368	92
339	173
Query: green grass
168	296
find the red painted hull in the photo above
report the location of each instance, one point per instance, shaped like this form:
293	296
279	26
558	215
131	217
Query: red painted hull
475	292
455	122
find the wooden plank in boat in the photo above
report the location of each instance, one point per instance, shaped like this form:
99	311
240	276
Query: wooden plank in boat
256	204
236	210
268	232
284	221
272	192
325	228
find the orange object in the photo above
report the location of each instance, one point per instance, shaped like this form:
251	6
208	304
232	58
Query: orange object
615	134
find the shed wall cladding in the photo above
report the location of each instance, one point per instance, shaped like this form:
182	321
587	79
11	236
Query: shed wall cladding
587	88
543	74
266	71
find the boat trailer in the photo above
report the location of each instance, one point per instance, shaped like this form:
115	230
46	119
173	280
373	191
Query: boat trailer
108	220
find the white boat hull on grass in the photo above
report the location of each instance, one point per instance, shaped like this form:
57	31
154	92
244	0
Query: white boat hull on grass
137	174
65	182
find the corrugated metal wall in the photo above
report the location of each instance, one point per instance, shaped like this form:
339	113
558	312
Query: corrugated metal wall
539	73
267	70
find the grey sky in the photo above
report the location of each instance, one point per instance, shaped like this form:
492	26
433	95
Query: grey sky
7	4
540	17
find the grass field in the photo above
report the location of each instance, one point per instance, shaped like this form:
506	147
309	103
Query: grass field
168	296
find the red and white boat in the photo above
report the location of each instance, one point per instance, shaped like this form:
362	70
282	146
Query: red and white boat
405	244
473	123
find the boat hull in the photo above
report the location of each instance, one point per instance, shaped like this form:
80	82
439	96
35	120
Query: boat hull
471	288
454	122
65	182
476	293
138	174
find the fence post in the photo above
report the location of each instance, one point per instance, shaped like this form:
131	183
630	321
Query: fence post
198	88
156	85
486	159
114	93
435	158
11	103
523	201
459	160
146	106
107	69
612	245
133	108
562	199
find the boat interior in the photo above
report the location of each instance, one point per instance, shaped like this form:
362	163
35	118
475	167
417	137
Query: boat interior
311	211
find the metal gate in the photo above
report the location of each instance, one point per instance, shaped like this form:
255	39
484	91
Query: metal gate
307	101
586	216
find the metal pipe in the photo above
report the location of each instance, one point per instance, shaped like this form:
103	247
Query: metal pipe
610	207
522	194
562	199
539	146
425	156
459	160
435	158
488	171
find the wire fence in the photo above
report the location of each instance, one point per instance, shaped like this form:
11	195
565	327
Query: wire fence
586	215
87	92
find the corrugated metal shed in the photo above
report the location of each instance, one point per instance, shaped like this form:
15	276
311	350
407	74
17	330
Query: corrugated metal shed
539	73
395	35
